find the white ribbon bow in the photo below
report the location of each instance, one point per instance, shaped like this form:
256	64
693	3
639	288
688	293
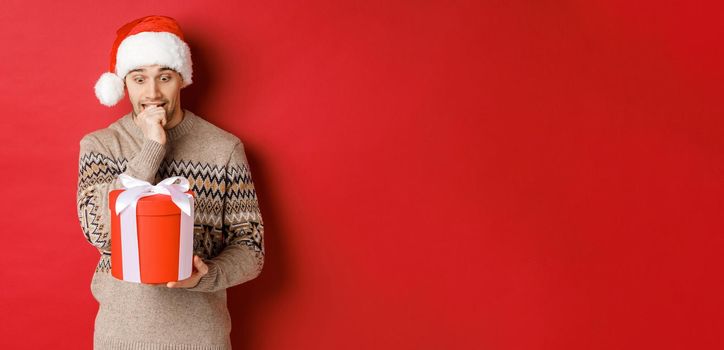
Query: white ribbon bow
137	189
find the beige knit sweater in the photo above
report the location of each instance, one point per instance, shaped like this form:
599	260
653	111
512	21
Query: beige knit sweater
228	232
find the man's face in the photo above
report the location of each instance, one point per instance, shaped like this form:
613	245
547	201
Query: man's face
154	85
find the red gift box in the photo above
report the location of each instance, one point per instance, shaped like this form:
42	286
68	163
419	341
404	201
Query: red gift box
160	246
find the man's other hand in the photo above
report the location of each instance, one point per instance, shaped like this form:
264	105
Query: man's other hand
200	269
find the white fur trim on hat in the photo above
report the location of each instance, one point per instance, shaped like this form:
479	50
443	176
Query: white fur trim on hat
147	48
109	89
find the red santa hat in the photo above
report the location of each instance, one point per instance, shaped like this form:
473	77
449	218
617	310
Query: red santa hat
145	41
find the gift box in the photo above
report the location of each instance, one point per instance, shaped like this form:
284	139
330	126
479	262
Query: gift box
152	230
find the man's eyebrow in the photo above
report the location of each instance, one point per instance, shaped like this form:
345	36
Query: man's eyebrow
141	70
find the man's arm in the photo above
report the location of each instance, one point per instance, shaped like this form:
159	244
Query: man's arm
243	256
98	175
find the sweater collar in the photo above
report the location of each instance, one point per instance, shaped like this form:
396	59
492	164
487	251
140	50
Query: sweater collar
174	133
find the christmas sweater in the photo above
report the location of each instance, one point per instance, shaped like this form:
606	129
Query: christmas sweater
228	232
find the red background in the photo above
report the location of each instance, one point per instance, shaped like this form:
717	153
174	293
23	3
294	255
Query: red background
432	174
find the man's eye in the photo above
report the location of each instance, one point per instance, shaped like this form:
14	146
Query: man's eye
139	80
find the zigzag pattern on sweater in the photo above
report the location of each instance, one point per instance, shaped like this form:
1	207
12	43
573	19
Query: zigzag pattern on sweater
226	204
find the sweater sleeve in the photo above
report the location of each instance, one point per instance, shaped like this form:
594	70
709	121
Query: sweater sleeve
98	174
242	257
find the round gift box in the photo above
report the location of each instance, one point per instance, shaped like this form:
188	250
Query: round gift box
158	223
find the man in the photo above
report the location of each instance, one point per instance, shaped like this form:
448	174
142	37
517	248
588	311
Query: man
159	139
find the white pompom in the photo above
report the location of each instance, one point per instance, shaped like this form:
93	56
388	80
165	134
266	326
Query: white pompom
109	89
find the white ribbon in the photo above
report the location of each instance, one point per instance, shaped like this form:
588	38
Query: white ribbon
137	189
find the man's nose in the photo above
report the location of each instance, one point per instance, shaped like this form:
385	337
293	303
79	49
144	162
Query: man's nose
154	89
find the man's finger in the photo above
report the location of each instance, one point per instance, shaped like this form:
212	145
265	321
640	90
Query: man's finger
200	265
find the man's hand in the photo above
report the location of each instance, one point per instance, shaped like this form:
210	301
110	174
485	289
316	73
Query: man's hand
200	270
151	121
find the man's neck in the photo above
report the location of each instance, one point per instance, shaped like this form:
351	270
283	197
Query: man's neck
177	117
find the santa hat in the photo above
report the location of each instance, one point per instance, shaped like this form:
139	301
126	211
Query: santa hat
145	41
